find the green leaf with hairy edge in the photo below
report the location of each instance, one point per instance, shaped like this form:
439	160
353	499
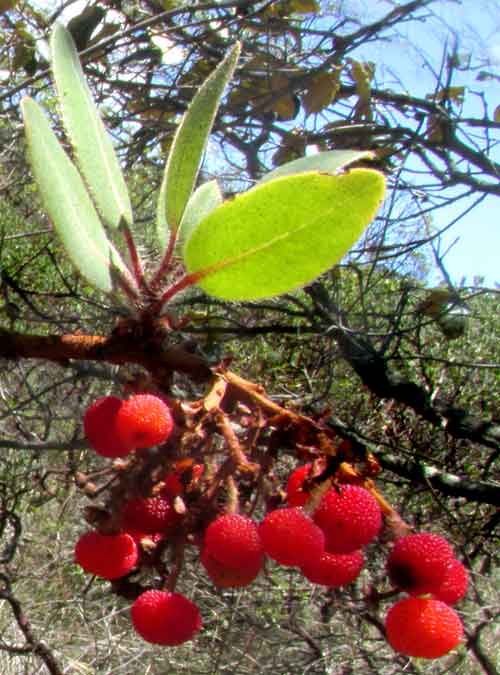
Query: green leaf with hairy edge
331	161
92	145
189	145
281	235
68	203
202	202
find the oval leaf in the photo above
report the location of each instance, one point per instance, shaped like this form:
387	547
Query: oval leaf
331	161
189	145
279	236
67	202
92	145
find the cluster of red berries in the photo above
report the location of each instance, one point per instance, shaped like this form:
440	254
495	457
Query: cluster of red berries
422	565
323	539
116	428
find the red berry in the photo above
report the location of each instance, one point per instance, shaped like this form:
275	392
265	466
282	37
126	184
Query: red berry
350	518
165	618
290	537
296	496
149	515
454	585
423	627
334	569
106	556
144	420
99	427
233	540
418	562
229	577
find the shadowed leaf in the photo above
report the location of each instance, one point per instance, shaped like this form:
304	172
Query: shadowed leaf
94	151
67	202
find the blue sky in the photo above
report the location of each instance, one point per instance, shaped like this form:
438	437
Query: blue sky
474	242
477	247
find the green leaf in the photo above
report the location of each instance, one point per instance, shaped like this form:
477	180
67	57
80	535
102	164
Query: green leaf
67	202
189	145
93	149
281	235
332	161
202	202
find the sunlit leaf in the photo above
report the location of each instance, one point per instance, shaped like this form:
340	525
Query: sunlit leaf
189	145
281	235
94	151
67	202
496	114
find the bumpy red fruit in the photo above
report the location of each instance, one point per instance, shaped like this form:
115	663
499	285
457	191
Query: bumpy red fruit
106	556
144	420
165	618
234	541
149	515
230	577
296	495
334	569
290	537
350	518
423	627
418	562
454	585
99	426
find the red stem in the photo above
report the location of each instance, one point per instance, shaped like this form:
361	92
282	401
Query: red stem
165	263
134	257
184	282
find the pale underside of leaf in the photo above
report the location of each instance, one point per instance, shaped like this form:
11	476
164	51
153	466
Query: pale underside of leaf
92	145
280	236
67	202
331	161
203	200
189	145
